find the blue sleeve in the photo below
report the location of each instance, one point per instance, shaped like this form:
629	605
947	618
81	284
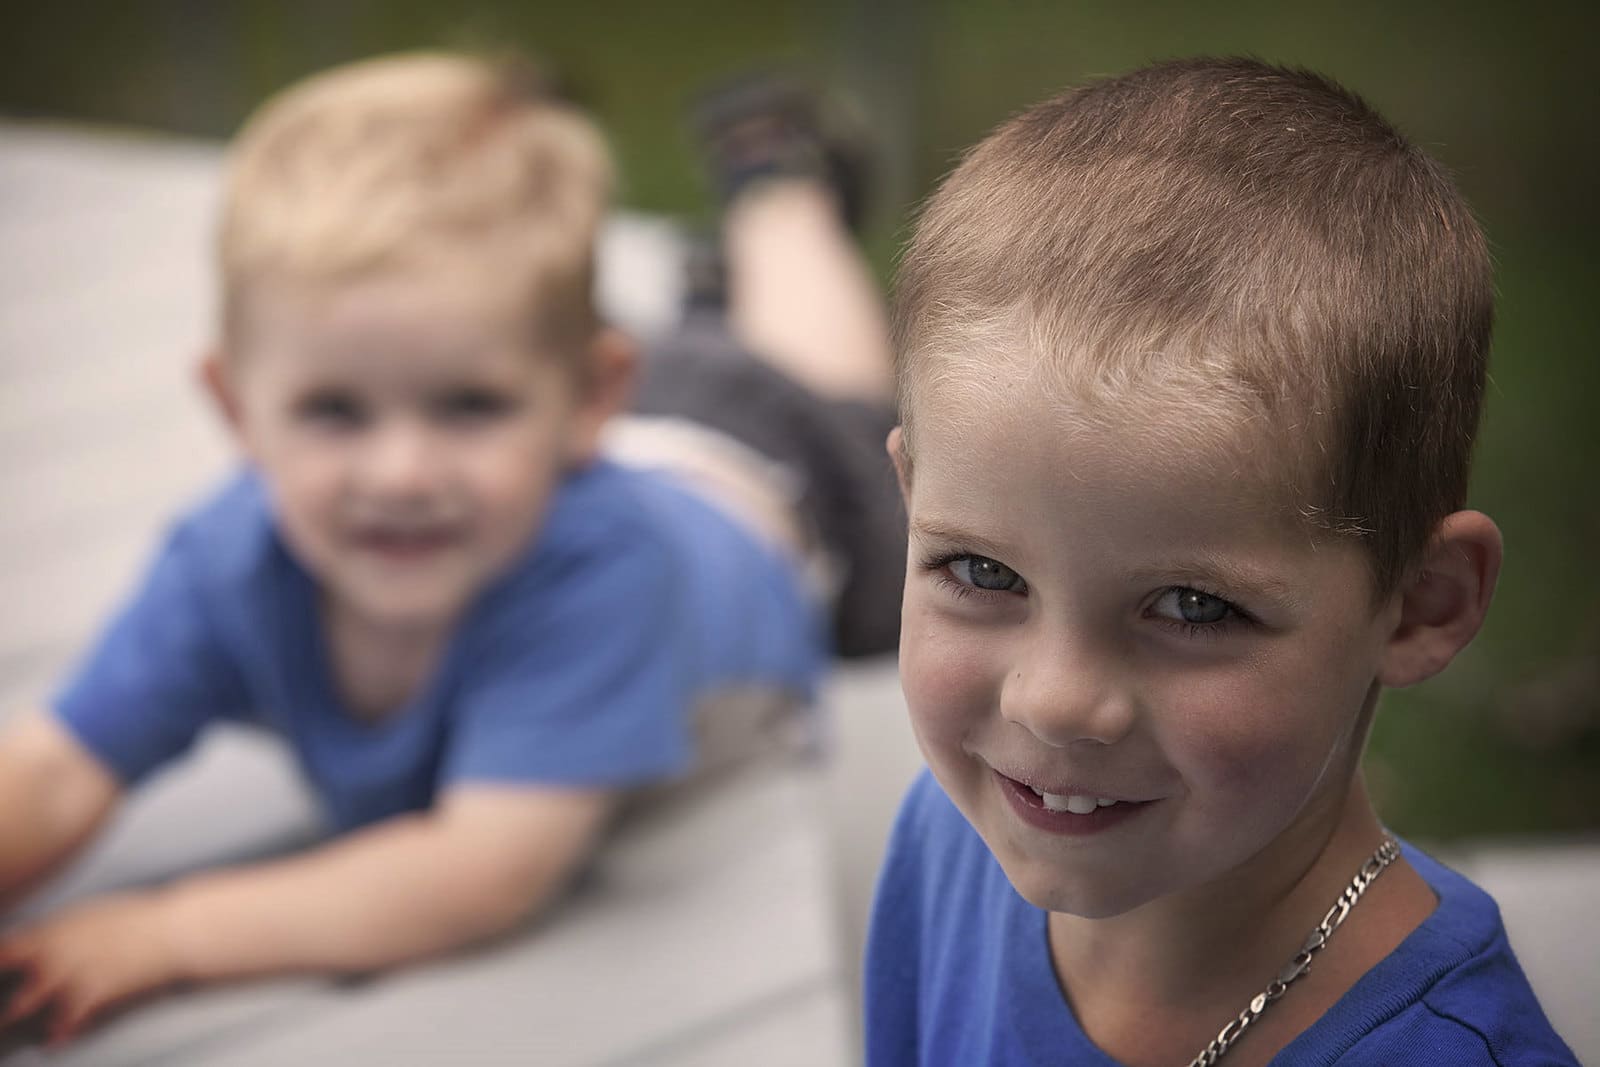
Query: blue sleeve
157	676
1482	1013
585	675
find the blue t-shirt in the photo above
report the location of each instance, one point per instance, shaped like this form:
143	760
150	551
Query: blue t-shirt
958	972
579	666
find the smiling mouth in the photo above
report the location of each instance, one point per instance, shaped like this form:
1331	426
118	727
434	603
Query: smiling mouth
406	544
1067	813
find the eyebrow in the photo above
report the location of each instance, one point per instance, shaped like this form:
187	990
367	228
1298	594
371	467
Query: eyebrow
1234	576
933	530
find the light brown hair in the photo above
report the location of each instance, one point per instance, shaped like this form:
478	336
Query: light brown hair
420	161
1254	232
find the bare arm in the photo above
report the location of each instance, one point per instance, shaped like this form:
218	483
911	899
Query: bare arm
53	796
408	888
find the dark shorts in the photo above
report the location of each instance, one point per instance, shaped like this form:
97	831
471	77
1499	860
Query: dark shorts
848	494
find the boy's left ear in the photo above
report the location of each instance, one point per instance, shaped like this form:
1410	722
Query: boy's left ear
1443	603
606	388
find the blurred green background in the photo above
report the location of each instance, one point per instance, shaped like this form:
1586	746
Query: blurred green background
1508	740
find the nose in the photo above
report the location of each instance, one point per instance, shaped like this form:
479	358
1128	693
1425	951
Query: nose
400	462
1063	688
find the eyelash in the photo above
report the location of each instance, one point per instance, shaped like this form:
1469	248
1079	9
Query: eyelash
939	565
1236	615
332	409
473	405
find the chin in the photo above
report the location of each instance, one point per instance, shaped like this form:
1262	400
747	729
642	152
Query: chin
400	607
1049	888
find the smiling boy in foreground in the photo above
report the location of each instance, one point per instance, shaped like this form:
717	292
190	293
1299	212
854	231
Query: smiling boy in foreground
1190	365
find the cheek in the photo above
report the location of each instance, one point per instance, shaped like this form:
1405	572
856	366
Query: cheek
512	478
1262	727
948	672
1229	737
305	477
305	488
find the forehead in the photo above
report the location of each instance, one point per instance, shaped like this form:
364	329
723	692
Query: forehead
417	303
1159	464
405	323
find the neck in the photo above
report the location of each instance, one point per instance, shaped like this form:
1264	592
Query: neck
1171	941
378	666
1194	959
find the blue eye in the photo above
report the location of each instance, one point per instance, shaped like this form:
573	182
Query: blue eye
1198	607
471	404
1194	607
332	409
981	572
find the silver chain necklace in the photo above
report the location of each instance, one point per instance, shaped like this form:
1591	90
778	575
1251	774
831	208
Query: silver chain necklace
1387	853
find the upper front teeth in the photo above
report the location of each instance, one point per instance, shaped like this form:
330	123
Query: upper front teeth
1073	802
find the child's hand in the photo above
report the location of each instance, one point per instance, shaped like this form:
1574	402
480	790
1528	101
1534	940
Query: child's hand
75	966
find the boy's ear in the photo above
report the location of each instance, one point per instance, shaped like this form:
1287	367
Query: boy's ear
607	388
1443	603
218	385
902	463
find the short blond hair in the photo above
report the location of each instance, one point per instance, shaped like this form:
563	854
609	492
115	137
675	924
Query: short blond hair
418	161
1256	234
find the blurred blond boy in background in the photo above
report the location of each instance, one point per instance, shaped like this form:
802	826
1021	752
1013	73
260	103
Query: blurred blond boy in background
474	632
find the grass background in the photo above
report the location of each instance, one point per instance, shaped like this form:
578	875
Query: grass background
1508	740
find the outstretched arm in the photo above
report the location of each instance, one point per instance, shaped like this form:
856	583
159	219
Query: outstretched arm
53	796
407	888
